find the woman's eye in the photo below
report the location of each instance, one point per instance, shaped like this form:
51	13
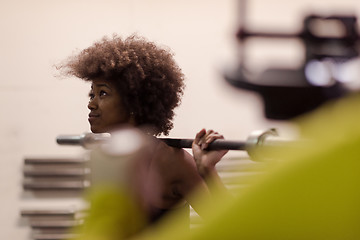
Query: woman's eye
103	93
91	96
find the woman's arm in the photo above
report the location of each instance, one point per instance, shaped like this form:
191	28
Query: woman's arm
206	160
200	180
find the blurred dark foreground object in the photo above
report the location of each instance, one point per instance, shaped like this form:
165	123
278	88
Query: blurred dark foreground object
330	44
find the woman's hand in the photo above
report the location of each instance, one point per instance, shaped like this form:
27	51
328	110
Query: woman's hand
206	160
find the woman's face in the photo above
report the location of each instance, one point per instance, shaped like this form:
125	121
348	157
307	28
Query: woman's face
106	107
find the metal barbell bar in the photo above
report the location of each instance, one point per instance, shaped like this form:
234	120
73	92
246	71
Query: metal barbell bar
256	138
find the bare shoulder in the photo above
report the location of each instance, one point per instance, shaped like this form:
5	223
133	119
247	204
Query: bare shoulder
173	155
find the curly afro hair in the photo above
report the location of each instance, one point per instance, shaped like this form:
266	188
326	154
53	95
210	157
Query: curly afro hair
147	77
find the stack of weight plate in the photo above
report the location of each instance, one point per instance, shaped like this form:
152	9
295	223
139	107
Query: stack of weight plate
53	189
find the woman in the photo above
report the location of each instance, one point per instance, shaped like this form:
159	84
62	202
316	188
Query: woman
134	81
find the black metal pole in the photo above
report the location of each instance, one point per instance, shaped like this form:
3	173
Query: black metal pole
218	144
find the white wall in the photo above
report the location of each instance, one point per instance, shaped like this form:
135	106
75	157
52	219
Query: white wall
36	107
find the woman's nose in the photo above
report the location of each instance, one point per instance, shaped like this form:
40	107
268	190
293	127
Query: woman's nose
92	104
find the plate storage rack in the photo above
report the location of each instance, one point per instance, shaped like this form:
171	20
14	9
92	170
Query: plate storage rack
53	189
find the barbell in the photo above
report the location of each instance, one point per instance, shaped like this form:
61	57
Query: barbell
257	138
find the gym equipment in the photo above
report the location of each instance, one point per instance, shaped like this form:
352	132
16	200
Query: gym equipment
331	46
256	139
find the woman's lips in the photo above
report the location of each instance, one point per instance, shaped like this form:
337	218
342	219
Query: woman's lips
93	117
